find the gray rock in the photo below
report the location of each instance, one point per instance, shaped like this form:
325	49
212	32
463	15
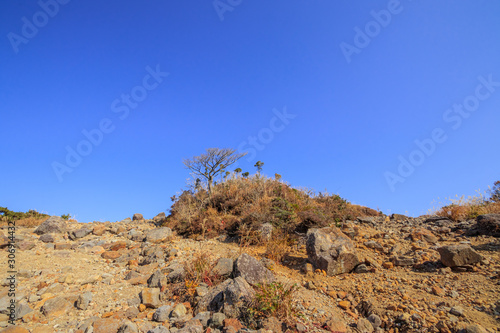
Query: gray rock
203	317
374	245
160	217
54	224
201	291
159	329
191	329
489	224
150	297
175	272
128	327
457	311
475	328
214	299
179	311
252	270
330	250
158	256
137	217
80	233
362	268
224	267
403	261
364	326
217	319
135	235
458	255
157	280
83	300
46	238
161	314
158	235
56	306
237	295
22	309
375	320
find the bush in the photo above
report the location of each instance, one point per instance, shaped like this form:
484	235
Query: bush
462	208
29	219
240	205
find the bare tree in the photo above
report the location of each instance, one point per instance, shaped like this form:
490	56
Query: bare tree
212	163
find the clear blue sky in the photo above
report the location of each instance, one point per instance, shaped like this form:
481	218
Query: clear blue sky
355	84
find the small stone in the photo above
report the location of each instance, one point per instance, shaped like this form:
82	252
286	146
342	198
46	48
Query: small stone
128	327
362	268
217	319
111	255
106	325
364	326
161	314
150	297
388	265
179	311
438	291
47	238
224	267
374	320
344	304
457	311
56	307
83	300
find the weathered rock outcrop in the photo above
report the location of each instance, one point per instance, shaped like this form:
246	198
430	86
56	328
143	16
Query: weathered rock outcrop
331	250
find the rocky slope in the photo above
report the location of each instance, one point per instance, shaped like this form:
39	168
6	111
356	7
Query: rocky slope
396	274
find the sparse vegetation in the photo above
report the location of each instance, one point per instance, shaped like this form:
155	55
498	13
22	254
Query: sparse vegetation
31	218
240	205
462	208
212	163
273	300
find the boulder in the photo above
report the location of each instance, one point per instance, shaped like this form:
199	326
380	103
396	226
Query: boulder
80	233
237	294
252	270
331	250
488	224
158	235
56	307
458	255
424	235
161	314
137	217
160	217
54	224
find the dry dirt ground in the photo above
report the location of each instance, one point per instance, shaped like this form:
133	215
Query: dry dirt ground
421	295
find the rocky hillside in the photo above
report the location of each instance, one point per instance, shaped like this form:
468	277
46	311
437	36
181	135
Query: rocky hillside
372	274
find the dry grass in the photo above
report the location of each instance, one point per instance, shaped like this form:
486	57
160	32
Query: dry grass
462	208
239	206
28	222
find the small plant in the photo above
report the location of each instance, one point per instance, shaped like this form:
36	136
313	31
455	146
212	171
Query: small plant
278	246
495	192
65	217
259	165
245	174
273	300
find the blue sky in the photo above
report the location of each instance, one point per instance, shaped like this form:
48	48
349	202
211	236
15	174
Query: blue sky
390	104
